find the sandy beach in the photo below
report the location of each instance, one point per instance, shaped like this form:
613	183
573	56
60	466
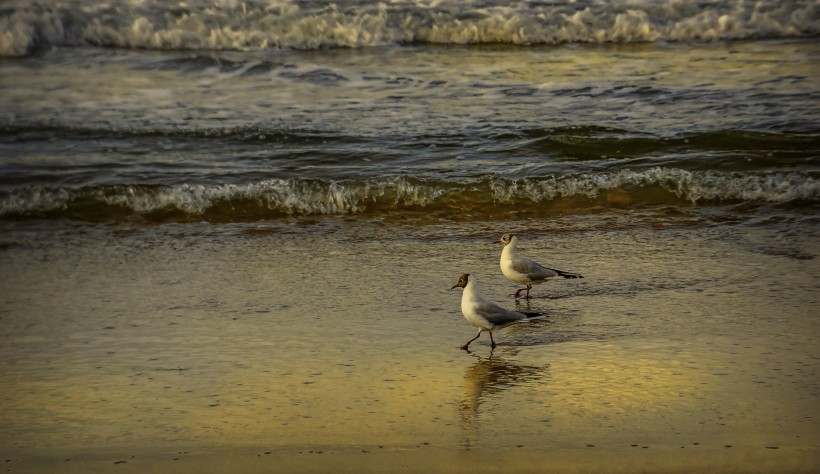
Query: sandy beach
425	459
337	349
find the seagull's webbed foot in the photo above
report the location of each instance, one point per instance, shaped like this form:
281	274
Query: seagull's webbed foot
467	344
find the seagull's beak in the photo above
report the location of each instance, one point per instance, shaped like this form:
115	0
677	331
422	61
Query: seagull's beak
454	287
497	242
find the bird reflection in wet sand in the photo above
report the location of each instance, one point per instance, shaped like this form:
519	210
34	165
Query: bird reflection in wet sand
492	377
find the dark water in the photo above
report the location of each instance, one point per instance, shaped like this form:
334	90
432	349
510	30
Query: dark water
708	111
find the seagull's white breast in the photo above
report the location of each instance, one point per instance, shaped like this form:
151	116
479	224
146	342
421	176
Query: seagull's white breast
471	302
472	315
508	269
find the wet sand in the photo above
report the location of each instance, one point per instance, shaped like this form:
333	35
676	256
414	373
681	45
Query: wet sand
334	346
427	459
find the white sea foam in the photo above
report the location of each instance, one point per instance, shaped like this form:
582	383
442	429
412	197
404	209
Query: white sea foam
36	199
687	185
289	196
327	197
234	25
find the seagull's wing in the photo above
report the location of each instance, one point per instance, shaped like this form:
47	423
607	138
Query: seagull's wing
533	269
497	315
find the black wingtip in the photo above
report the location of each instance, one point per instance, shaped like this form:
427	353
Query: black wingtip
534	315
567	275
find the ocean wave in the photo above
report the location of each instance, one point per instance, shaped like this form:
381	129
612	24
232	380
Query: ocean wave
583	139
255	25
240	133
487	196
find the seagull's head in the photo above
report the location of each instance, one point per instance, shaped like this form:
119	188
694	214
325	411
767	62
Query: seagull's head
462	281
505	239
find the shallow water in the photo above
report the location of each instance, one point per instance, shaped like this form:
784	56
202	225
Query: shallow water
346	337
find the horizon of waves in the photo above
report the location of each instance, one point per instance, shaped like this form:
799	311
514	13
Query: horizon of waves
486	197
575	140
27	26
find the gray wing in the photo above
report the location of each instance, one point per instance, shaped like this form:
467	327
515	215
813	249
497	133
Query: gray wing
495	314
533	269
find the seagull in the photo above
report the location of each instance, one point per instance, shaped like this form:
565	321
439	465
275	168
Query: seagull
523	270
486	315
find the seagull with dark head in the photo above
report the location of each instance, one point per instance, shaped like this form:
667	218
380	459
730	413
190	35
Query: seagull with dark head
524	270
486	315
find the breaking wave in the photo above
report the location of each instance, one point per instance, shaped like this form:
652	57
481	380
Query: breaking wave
487	197
256	25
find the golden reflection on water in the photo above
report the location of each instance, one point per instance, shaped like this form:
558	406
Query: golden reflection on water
568	394
504	398
610	394
652	366
487	377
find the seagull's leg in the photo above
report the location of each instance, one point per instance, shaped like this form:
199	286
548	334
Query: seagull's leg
519	292
492	341
529	287
467	344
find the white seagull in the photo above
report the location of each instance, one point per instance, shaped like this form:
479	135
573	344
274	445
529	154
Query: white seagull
486	315
524	270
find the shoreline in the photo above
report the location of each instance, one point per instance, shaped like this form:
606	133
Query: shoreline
427	458
195	351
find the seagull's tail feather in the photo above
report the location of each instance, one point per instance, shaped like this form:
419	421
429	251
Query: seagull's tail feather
566	274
